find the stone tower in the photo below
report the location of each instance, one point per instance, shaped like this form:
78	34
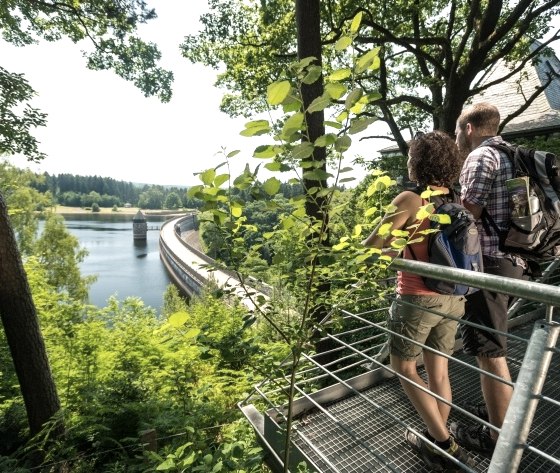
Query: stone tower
139	226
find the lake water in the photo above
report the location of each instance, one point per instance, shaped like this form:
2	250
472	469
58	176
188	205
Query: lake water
124	267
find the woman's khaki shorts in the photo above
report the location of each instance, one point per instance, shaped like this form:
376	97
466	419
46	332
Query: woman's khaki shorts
420	324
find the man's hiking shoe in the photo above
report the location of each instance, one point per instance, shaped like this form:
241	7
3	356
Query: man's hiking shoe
479	409
473	437
435	460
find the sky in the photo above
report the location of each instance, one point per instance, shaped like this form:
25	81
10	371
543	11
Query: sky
99	124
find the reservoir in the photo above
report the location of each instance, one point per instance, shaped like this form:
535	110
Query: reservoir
124	267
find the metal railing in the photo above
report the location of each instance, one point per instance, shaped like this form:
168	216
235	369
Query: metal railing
350	413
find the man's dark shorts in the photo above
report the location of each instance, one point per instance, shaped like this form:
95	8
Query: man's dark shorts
489	309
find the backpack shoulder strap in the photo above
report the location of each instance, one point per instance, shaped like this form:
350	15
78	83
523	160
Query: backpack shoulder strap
508	149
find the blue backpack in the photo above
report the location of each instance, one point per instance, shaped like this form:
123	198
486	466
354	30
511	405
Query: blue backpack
456	245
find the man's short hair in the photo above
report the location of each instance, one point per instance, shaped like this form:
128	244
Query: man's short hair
483	116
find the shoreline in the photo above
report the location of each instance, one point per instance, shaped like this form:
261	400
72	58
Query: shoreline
63	210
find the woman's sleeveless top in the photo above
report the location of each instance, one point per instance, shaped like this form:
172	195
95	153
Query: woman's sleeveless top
412	284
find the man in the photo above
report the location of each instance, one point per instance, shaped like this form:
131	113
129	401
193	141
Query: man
482	180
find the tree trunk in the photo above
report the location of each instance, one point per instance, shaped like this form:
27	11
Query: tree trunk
308	19
23	334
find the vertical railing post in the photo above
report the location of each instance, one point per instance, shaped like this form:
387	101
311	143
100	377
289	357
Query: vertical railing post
521	410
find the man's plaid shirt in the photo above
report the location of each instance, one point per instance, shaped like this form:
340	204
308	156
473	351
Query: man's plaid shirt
483	183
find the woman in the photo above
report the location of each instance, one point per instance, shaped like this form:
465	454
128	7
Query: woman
433	162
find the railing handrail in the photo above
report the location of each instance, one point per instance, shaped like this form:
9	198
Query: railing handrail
539	292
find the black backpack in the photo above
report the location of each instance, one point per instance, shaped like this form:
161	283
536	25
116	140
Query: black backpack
534	227
455	244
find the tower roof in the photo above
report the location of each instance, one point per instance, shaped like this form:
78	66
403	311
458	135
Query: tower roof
139	217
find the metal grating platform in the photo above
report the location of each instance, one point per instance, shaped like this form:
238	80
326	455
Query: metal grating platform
364	439
350	418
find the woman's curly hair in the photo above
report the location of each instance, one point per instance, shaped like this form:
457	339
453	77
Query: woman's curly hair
435	160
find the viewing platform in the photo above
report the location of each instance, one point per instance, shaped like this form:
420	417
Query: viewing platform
350	415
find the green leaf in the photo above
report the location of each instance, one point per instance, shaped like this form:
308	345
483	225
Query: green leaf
291	104
192	333
442	219
219	217
358	107
385	230
335	90
343	143
303	150
325	140
373	96
303	63
178	319
356	21
255	128
194	190
353	97
366	60
340	246
293	123
342	43
398	243
358	125
313	73
340	74
346	179
277	167
233	153
342	116
317	175
335	125
266	151
319	103
219	180
424	211
271	186
166	465
190	459
346	169
277	92
236	209
307	165
381	183
207	177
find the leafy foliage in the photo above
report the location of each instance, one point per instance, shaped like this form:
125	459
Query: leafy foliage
428	65
302	259
24	23
15	130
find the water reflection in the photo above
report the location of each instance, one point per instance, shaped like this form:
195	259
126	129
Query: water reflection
124	266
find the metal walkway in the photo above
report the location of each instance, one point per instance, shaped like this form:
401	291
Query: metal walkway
380	435
350	415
